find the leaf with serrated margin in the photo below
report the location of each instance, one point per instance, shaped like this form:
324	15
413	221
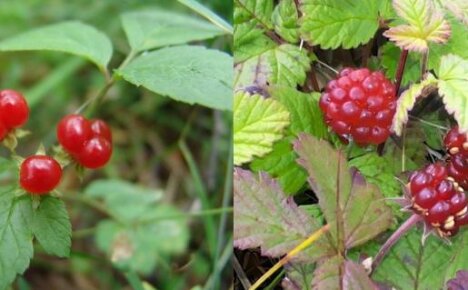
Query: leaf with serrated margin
285	21
70	37
265	217
283	65
453	84
16	238
459	8
335	23
407	100
412	264
355	210
52	228
425	24
258	123
250	41
258	10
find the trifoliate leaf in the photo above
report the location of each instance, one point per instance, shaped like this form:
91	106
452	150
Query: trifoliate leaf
425	24
51	226
407	100
266	218
333	23
285	21
258	123
355	209
452	83
16	246
260	10
412	264
306	116
283	65
459	8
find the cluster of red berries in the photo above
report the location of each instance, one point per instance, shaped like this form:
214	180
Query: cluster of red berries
14	111
359	105
89	143
456	145
439	199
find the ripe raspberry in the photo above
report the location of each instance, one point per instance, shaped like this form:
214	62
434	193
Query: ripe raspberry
440	200
14	111
40	174
360	105
88	142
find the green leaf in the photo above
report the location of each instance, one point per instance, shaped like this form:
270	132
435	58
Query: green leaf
453	81
298	276
408	99
51	227
16	246
191	74
258	123
391	54
285	21
425	24
355	209
306	116
459	8
71	37
149	29
250	41
283	65
456	44
208	14
266	218
259	10
411	265
334	23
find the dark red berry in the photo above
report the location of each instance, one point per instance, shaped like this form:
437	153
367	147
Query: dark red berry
457	168
96	153
455	141
40	174
359	105
14	110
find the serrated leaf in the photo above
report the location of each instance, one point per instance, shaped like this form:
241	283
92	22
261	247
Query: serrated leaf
411	265
355	209
52	228
191	74
285	21
16	246
452	83
306	116
459	8
334	23
149	29
407	100
265	217
258	123
250	41
283	65
426	24
338	273
260	10
71	37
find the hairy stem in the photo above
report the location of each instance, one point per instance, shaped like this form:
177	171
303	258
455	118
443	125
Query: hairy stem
403	229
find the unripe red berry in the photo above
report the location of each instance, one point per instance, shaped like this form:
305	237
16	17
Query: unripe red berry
40	174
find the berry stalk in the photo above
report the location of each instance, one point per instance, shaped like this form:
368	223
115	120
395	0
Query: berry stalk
403	229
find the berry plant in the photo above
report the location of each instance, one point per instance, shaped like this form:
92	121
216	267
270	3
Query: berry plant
350	141
112	168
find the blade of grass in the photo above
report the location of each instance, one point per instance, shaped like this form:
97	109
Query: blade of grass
220	265
208	14
210	226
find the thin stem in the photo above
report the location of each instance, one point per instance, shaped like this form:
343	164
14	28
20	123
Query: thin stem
424	60
428	123
240	273
403	229
400	69
327	66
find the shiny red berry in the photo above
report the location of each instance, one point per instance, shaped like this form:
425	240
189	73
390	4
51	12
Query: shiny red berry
14	110
101	129
455	141
72	133
96	153
359	105
40	174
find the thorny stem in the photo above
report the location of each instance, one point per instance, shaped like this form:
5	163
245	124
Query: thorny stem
403	229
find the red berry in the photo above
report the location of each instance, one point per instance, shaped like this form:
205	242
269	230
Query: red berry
14	110
454	141
96	153
359	105
40	174
101	129
457	168
72	133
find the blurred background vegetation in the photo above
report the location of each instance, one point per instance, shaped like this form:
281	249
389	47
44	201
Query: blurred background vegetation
161	146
